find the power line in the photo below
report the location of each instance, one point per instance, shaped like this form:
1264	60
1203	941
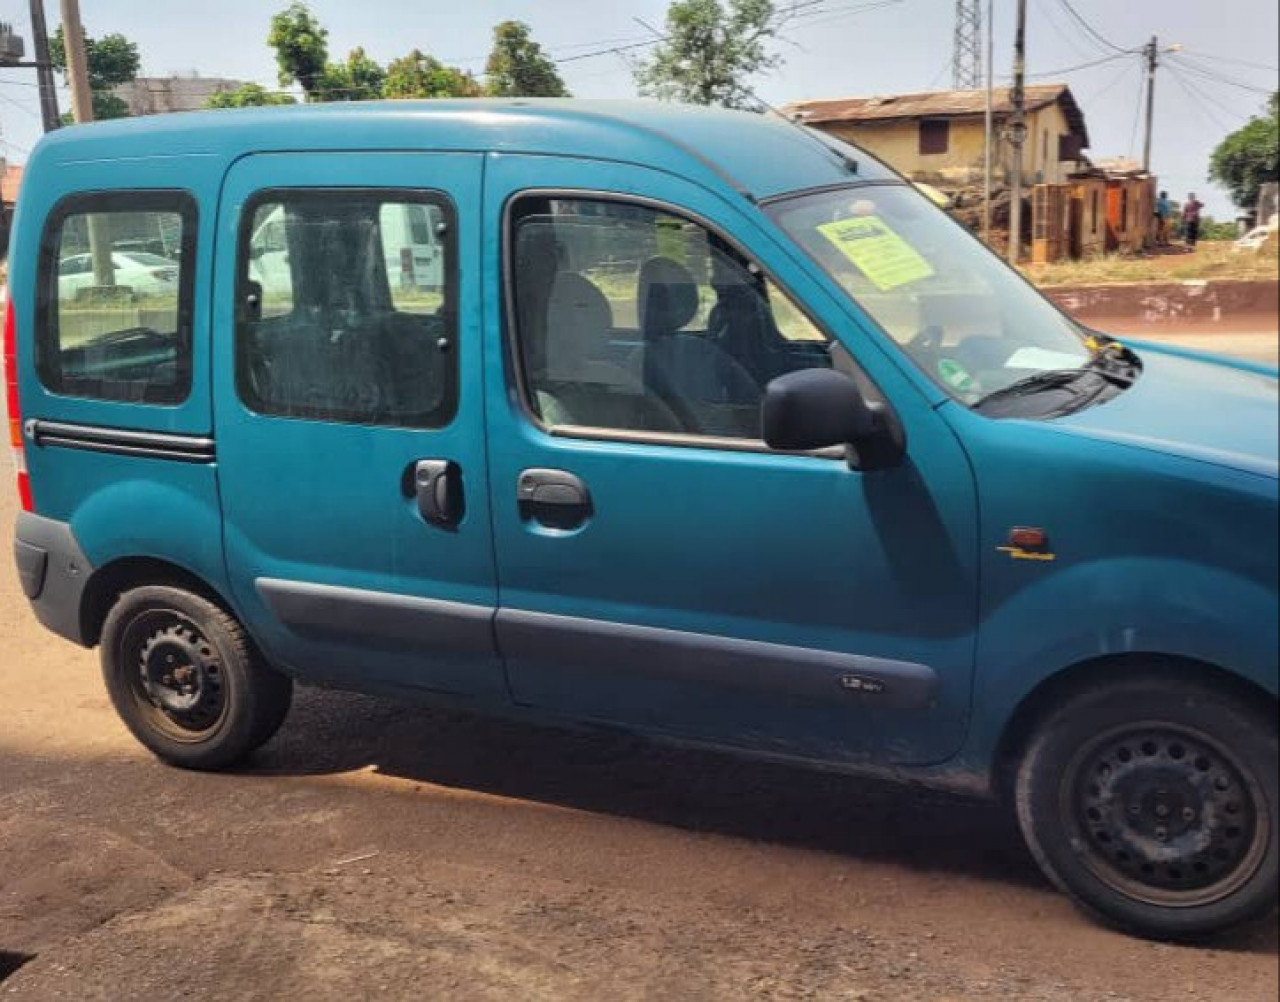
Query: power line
1124	71
1205	100
1239	62
1191	66
1043	7
20	106
1197	98
1083	66
1093	33
841	13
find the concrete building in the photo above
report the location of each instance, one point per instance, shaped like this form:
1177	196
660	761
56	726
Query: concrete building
159	95
939	137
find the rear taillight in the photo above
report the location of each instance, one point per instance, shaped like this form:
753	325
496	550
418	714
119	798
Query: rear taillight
406	260
12	408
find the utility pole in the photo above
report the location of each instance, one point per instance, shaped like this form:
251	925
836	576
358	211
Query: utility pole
1152	53
44	68
1018	132
77	67
82	108
989	136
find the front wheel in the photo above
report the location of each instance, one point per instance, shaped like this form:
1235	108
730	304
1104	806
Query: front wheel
186	680
1153	802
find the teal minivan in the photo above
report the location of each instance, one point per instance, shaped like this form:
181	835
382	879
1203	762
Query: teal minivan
704	426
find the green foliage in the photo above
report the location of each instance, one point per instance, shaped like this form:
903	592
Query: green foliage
1249	156
302	47
1211	229
710	51
358	79
110	60
518	67
420	75
248	96
302	54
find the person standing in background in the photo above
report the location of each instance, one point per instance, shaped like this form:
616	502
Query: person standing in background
1191	220
1164	209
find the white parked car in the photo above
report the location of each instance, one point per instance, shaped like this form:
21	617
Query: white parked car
411	249
145	273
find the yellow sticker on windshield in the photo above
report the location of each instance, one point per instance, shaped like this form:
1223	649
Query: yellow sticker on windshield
879	253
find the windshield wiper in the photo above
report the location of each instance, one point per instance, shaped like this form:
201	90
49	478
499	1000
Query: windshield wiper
1052	379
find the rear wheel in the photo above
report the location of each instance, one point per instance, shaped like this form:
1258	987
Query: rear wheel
1153	802
186	680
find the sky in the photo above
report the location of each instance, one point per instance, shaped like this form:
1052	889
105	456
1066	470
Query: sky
830	48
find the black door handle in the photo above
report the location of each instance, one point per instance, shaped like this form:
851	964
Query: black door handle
437	484
554	498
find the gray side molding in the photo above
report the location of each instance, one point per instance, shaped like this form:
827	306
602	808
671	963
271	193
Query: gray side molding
390	620
53	570
676	655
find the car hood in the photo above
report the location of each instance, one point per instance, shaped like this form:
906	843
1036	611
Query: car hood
1204	407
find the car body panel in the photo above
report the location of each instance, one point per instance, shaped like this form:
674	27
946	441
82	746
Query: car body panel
707	572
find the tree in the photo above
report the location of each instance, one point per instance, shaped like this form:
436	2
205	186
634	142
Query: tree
1249	156
110	60
358	79
302	47
248	96
710	51
518	67
420	75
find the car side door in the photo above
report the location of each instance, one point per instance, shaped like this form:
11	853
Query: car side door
659	566
349	423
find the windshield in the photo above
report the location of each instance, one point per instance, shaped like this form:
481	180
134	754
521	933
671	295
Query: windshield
960	313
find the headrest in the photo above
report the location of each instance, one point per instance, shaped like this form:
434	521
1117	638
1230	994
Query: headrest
668	297
538	253
578	316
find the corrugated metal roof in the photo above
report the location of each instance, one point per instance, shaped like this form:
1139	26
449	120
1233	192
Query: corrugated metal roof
937	104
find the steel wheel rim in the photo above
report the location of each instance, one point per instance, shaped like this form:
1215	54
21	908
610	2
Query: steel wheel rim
175	675
1165	815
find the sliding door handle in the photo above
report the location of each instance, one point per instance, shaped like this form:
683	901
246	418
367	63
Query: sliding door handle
437	484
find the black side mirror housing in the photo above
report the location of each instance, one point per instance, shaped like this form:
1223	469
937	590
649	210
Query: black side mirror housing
821	408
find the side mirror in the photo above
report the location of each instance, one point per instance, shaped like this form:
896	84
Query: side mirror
821	408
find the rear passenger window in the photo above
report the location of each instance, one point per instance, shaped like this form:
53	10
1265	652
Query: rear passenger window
116	283
347	307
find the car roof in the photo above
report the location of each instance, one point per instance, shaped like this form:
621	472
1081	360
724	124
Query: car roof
760	155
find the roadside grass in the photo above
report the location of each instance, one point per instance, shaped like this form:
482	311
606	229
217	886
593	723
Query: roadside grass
1217	260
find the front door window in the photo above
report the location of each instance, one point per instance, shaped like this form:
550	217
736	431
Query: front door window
634	319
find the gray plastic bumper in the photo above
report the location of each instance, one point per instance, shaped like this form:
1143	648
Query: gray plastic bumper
53	571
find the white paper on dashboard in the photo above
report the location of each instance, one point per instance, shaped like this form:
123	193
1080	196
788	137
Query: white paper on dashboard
1041	358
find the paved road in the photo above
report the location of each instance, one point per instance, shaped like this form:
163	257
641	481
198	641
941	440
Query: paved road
384	850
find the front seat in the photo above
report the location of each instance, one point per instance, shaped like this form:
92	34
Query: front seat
704	384
573	388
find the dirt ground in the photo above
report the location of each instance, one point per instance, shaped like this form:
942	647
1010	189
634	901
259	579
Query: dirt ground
383	850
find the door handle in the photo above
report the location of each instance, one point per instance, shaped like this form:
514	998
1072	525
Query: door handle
554	498
437	484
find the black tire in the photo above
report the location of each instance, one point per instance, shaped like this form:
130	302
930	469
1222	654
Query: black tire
1153	802
186	679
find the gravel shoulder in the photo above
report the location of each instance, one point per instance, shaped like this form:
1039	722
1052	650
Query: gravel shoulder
379	849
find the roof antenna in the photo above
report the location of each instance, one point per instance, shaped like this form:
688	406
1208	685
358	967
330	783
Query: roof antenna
813	135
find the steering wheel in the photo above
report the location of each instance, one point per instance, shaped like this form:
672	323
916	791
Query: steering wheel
927	340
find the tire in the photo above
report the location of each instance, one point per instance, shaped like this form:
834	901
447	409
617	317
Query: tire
1153	802
187	681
